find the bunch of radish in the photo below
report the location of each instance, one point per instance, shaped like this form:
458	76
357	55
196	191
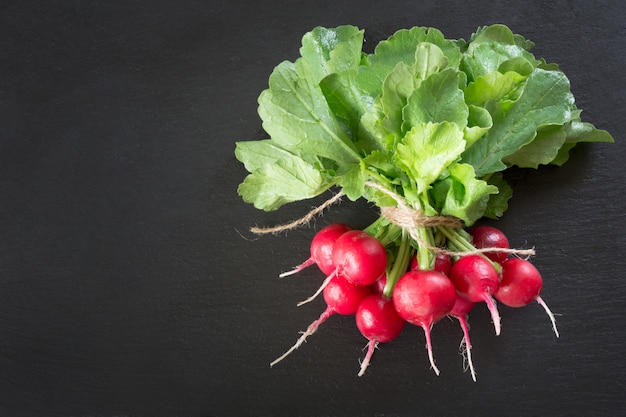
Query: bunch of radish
424	128
384	285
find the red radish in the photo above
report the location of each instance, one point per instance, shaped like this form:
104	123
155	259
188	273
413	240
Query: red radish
341	298
422	298
377	320
460	311
358	257
322	249
476	279
490	237
379	286
520	285
443	263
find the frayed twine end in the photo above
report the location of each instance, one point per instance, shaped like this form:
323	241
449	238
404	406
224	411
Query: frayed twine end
302	220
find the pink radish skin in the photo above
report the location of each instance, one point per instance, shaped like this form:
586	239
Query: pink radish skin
443	263
377	320
476	279
422	298
460	311
520	285
490	237
322	249
341	298
379	286
358	257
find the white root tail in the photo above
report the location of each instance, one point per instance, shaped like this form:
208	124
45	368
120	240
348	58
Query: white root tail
429	347
320	289
371	346
466	346
298	268
545	307
495	315
309	331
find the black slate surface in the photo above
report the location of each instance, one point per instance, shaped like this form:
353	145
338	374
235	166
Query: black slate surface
130	286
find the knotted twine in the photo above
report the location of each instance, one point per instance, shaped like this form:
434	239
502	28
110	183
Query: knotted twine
403	216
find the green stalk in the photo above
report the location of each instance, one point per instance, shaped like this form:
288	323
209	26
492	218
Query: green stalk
400	265
462	244
425	257
377	229
384	231
376	176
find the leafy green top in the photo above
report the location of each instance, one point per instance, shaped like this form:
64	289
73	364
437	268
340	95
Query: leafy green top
431	119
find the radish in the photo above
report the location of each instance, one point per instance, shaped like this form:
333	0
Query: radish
422	298
520	285
460	311
476	279
379	286
377	320
490	237
443	263
341	298
358	257
322	249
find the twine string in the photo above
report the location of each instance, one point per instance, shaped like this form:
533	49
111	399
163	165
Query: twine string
401	215
410	219
302	220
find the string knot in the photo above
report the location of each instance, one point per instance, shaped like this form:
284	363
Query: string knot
408	218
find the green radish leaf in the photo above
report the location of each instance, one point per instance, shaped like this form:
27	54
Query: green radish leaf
578	131
372	125
297	116
437	99
519	65
328	51
286	180
255	154
563	154
484	58
348	104
501	34
429	59
404	79
353	183
402	47
424	116
382	162
541	151
461	194
494	86
478	123
397	87
427	150
498	203
546	100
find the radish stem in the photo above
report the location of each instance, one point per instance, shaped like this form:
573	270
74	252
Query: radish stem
400	265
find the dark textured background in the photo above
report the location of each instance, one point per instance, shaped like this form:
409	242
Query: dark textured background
129	285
